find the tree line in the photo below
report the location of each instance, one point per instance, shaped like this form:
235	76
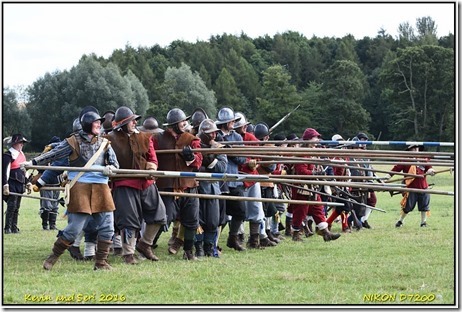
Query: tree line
391	88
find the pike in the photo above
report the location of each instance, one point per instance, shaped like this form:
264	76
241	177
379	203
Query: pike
238	177
240	198
345	143
397	143
282	119
351	200
60	201
451	170
275	150
297	160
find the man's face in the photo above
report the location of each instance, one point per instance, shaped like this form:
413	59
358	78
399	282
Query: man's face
96	127
230	125
131	126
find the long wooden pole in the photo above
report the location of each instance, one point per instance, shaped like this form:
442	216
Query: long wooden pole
255	199
307	151
238	177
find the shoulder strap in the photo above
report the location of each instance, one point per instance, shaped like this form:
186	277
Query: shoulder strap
87	165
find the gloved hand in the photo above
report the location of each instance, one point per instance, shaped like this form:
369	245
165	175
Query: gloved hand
319	172
387	177
431	171
187	153
25	164
6	190
36	187
108	170
29	188
252	164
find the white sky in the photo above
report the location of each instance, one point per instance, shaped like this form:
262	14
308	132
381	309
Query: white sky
45	37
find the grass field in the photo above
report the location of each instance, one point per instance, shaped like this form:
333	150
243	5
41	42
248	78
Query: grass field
381	266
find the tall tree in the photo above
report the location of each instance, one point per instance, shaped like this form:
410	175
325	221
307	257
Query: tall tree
343	92
419	85
186	90
15	117
279	97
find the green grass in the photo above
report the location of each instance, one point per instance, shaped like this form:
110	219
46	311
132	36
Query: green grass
365	267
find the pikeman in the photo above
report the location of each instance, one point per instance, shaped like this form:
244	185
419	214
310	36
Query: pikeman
186	209
136	199
290	170
226	120
359	195
210	213
90	196
342	211
267	188
300	211
254	212
371	197
411	199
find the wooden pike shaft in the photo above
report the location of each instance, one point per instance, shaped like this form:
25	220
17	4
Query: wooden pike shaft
35	197
288	160
306	151
238	177
240	198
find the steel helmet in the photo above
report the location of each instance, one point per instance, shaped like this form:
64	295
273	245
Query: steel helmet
175	116
261	130
207	126
106	126
241	122
226	115
337	137
76	125
362	135
197	117
88	119
151	125
123	116
87	109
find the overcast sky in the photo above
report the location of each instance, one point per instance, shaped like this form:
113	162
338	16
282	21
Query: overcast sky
45	37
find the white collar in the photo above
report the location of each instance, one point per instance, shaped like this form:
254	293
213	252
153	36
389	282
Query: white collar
14	152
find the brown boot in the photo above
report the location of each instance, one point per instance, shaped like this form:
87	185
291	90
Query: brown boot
271	237
234	242
266	242
102	252
175	230
177	244
189	255
297	236
254	239
328	236
130	259
58	249
75	253
146	251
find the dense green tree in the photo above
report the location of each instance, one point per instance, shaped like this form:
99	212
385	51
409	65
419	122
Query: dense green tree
15	117
58	98
227	92
279	97
419	85
343	92
186	90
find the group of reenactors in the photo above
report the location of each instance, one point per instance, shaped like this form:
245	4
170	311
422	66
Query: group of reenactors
120	206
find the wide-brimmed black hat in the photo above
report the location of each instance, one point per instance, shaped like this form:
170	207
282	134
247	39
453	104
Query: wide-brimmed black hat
18	138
